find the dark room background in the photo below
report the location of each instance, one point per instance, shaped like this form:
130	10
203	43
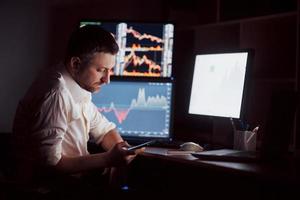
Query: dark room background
34	34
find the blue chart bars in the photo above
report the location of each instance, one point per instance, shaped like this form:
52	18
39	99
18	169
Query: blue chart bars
139	109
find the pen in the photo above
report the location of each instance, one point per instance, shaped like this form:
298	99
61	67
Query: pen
233	125
255	129
247	127
253	132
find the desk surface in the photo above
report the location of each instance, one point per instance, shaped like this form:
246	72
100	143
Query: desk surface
283	170
155	172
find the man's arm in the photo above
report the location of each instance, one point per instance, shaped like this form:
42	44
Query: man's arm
116	156
82	163
110	139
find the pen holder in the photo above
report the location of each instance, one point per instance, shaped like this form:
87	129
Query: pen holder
245	140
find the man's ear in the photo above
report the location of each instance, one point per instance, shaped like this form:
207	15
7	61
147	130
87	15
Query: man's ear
75	64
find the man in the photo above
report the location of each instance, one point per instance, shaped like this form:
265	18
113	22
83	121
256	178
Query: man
56	118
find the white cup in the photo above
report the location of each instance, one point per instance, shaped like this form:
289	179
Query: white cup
245	140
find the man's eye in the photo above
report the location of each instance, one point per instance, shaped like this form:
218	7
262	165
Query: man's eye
101	70
105	70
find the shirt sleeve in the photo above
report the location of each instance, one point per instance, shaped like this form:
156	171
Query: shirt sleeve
99	124
50	127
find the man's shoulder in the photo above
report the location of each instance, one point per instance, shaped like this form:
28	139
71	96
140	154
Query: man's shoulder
48	81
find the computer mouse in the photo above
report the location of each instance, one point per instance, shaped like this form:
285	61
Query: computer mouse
191	146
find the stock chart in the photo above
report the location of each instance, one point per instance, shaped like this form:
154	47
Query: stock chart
146	49
137	108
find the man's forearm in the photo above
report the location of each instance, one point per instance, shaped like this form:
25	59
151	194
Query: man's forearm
110	139
82	163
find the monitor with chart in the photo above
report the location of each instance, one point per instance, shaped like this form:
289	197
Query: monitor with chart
141	109
218	84
146	49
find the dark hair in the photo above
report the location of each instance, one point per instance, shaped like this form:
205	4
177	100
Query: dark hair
89	39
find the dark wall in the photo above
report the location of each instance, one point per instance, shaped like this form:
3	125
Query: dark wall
65	17
23	52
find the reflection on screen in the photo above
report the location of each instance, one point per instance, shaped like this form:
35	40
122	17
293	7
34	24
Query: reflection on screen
218	84
139	109
145	48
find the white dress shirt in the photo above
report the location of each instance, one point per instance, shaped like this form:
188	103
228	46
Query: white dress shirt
56	117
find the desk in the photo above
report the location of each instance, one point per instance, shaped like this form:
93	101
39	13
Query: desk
157	172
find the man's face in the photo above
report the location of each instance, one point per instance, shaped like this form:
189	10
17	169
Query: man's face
97	72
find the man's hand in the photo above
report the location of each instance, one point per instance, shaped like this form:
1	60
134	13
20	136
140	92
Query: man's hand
136	152
118	155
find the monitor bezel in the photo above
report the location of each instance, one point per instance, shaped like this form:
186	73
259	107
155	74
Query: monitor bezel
126	21
162	22
247	78
141	139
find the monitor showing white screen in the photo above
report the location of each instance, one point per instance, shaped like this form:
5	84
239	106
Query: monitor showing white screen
140	109
146	49
218	84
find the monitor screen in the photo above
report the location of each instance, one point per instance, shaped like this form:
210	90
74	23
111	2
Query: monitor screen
146	49
140	109
218	84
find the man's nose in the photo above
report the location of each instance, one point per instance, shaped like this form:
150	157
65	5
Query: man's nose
106	77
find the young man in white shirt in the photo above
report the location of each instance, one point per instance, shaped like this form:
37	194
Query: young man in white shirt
56	118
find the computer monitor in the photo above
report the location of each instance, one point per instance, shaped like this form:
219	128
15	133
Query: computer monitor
146	49
218	84
141	109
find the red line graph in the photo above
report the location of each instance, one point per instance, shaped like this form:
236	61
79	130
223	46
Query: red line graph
140	36
153	69
138	47
142	65
120	114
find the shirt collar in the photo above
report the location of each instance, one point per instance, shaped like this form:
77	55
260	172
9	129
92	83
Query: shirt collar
78	93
